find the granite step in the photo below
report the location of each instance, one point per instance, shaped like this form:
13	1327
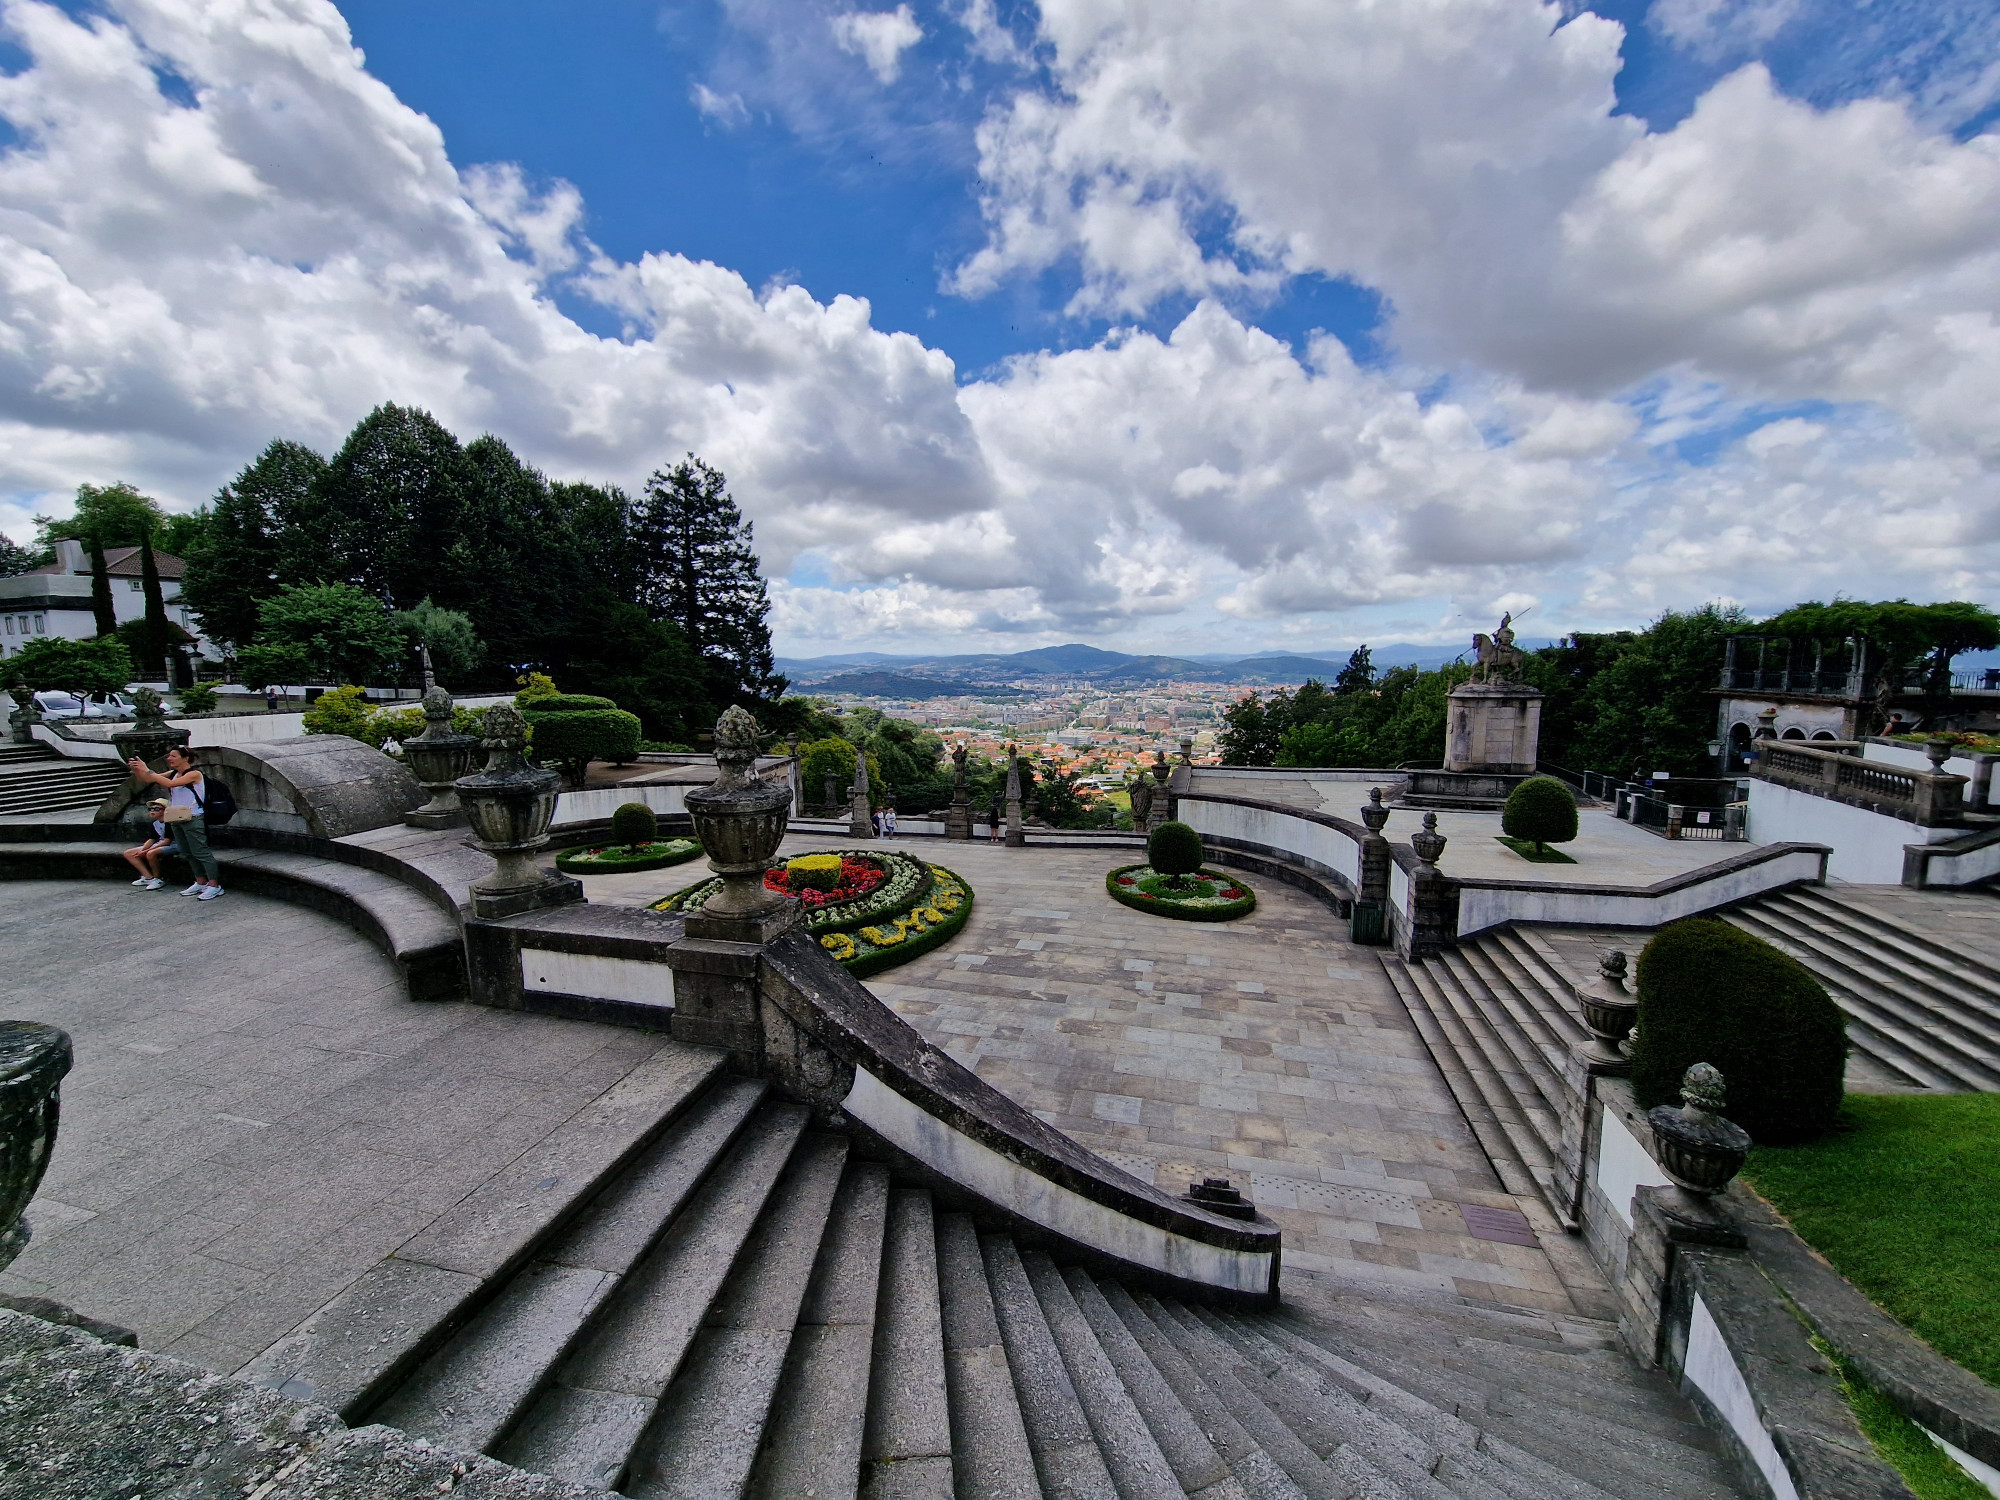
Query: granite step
906	1444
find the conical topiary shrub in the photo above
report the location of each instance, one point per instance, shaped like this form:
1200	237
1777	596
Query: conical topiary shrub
633	824
1713	993
1541	810
1174	850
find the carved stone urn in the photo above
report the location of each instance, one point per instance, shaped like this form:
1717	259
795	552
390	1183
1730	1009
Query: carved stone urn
740	822
510	805
22	721
150	737
1609	1010
1698	1150
1427	842
437	758
33	1060
1375	815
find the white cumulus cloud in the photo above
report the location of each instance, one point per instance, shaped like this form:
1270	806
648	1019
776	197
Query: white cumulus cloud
878	37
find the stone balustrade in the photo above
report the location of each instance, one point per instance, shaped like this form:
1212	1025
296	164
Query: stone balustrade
1932	799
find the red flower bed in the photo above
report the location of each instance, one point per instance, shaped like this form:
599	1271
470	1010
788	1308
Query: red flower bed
857	878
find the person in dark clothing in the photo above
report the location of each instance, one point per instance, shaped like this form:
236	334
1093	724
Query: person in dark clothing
993	821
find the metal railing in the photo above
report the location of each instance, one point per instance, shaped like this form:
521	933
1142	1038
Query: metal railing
1678	820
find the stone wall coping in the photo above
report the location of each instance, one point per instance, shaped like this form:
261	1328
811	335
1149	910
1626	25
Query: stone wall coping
1686	880
1925	1386
843	1015
1346	826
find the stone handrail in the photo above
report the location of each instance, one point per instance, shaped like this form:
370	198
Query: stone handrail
1932	799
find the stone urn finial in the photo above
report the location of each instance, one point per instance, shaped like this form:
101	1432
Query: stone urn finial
1187	751
1427	841
740	821
149	712
149	737
1937	751
510	805
1609	1010
25	717
1698	1150
1374	815
33	1060
437	758
1160	769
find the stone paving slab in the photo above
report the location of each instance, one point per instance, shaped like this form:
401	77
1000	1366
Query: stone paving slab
1269	1049
257	1114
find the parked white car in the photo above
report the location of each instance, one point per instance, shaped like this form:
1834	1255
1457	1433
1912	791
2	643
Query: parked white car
60	705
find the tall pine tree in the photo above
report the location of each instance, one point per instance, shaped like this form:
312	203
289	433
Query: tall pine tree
233	566
696	568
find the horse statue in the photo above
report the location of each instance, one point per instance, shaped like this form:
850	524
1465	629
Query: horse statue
1500	660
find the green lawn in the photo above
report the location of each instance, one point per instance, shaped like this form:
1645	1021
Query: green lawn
1548	854
1906	1204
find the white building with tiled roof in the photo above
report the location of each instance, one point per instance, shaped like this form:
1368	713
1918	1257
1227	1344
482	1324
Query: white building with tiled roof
55	600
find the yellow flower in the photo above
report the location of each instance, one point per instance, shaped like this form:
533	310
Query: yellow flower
840	945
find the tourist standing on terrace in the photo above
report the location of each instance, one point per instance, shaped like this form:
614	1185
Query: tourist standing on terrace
993	821
186	817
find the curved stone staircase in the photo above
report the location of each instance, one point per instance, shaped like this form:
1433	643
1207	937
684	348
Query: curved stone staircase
35	779
750	1308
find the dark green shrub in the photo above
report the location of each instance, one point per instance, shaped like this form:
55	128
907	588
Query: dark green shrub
1174	849
1541	810
574	740
633	824
198	699
566	703
1710	992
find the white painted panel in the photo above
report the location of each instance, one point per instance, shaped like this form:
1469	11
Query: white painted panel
1275	829
600	802
984	1171
1481	907
598	976
1867	846
1623	1165
1711	1369
1985	1474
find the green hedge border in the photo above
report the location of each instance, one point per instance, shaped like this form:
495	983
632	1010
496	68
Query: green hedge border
568	863
1173	909
916	947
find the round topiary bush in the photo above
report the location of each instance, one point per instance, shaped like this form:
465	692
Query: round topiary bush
1713	993
1540	810
566	703
633	824
814	872
1174	850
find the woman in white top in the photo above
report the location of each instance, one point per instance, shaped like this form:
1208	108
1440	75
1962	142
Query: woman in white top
190	830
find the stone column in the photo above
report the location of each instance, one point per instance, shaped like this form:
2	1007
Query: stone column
1017	836
797	776
1369	920
1609	1009
1433	916
438	757
510	805
740	822
832	789
859	824
33	1060
1161	771
958	821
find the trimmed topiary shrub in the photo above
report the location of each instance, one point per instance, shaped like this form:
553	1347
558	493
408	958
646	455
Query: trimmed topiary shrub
1174	850
1713	993
573	740
814	872
633	824
1540	810
565	703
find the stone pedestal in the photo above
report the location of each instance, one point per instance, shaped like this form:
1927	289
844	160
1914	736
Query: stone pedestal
1162	804
510	805
860	825
437	758
1493	727
33	1060
740	822
1017	835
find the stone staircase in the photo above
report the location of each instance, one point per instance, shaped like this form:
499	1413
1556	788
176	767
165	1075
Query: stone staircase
1498	1017
34	779
748	1308
1925	1014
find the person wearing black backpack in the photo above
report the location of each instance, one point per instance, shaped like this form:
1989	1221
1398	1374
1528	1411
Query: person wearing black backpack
187	817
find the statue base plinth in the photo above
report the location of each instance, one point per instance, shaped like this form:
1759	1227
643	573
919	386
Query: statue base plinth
1493	728
958	821
556	890
754	927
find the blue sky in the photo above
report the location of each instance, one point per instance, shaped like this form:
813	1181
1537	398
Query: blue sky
1267	324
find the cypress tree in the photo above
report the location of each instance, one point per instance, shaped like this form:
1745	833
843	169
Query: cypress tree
154	663
697	568
101	607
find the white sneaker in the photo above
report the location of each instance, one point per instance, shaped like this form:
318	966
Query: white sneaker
152	885
194	890
140	881
209	893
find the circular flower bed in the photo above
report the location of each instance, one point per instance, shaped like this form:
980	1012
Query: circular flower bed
1210	896
884	907
616	859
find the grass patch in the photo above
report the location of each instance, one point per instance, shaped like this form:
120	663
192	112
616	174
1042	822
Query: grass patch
616	859
1543	856
1901	1443
1904	1199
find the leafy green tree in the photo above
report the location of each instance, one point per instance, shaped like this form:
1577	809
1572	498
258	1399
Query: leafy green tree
389	513
643	663
454	644
1063	803
182	531
14	558
269	664
823	758
1252	732
1648	703
104	613
50	663
1358	676
1911	640
116	514
696	567
232	565
341	631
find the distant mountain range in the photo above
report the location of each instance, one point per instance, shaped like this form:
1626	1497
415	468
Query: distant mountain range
877	674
